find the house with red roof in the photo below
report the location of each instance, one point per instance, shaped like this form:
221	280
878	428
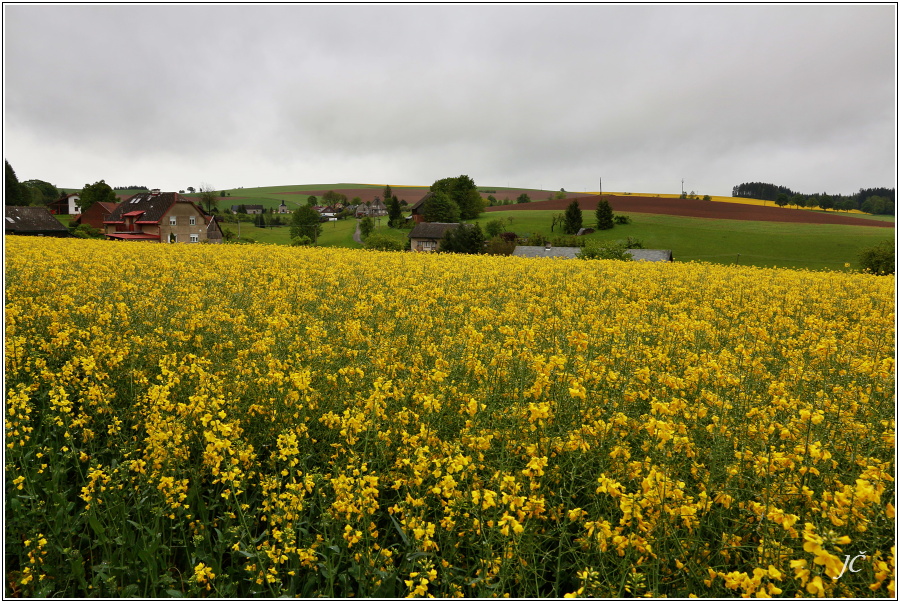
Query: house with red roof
162	218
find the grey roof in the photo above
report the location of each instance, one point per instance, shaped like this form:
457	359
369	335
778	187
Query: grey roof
540	251
638	255
431	230
32	220
153	206
651	255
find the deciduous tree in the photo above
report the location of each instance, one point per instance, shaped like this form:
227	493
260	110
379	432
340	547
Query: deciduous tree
305	222
440	208
95	193
463	192
209	197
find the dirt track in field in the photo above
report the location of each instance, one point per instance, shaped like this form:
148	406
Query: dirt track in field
701	209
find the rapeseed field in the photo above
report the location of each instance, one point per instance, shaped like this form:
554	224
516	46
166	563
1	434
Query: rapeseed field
238	421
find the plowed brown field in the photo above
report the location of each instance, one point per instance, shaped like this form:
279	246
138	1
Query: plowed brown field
700	209
412	194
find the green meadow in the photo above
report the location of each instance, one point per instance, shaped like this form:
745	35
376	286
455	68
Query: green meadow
764	244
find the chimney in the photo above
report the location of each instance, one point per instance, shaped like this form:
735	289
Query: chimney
547	246
154	192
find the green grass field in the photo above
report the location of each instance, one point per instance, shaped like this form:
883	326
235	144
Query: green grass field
765	244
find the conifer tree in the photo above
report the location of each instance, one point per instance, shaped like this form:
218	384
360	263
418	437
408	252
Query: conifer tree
604	215
573	218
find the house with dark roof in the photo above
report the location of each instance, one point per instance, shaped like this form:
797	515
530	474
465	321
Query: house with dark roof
33	221
65	205
426	236
373	209
96	214
161	217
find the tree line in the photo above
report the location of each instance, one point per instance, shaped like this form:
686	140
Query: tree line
879	200
29	192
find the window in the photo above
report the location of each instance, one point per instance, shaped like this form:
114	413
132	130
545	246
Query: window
195	238
193	220
171	220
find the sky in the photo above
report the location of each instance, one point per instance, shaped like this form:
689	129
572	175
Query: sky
630	98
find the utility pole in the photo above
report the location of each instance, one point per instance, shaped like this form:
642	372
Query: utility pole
682	186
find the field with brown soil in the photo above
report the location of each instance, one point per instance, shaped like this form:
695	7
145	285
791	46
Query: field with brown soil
412	194
693	208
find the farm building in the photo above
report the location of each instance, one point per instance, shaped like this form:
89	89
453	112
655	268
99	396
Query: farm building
161	217
251	209
416	208
548	251
96	214
65	205
426	236
33	221
545	251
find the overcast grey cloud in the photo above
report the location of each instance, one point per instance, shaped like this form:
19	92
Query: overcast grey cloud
533	96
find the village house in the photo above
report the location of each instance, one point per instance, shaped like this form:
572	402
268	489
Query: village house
283	209
33	221
426	236
161	217
96	214
65	205
374	209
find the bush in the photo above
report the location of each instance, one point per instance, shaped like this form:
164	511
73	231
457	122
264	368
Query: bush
383	242
509	237
494	228
499	246
523	198
536	238
301	241
607	250
366	226
633	243
878	259
621	219
567	241
86	231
